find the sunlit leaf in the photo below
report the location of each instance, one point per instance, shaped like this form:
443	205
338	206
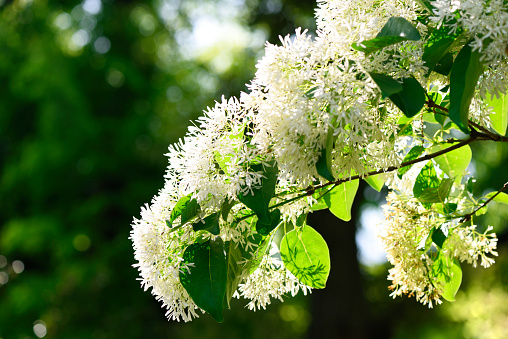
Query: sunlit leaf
427	178
305	253
375	181
447	275
453	163
341	199
499	119
501	197
234	269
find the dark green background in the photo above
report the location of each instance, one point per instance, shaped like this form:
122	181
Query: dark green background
82	138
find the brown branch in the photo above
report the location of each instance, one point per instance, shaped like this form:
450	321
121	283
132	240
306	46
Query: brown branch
493	136
468	217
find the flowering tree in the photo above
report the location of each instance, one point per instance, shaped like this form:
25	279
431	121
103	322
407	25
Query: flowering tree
390	92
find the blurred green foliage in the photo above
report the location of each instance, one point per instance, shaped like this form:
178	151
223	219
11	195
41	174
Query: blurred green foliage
90	100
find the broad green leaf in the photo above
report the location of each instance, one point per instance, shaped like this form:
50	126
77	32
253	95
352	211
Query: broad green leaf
375	181
324	163
206	280
226	208
322	197
466	70
427	178
435	52
413	154
386	84
305	253
209	223
265	229
453	163
186	207
447	275
341	199
449	208
396	30
501	197
411	99
260	198
234	270
437	194
444	65
499	119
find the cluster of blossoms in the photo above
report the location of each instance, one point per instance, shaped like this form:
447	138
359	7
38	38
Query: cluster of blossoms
306	92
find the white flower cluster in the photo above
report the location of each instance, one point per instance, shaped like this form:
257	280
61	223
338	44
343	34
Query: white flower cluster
304	90
406	235
485	22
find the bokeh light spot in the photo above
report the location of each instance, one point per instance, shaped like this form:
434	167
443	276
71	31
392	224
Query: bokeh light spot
18	266
81	242
115	78
40	329
3	261
102	45
4	278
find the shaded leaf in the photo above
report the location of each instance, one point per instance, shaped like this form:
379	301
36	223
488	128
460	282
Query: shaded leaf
209	223
206	280
260	198
396	30
324	163
265	229
305	253
411	99
386	84
234	270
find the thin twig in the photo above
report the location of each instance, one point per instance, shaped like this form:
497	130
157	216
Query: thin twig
468	217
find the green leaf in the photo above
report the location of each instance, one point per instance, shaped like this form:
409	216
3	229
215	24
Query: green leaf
386	84
453	163
447	275
501	197
234	270
209	223
413	154
396	30
411	99
206	280
265	229
186	207
260	198
305	253
322	197
375	181
427	178
324	163
226	208
223	159
433	53
257	257
425	4
444	65
437	194
466	70
341	199
438	237
499	119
